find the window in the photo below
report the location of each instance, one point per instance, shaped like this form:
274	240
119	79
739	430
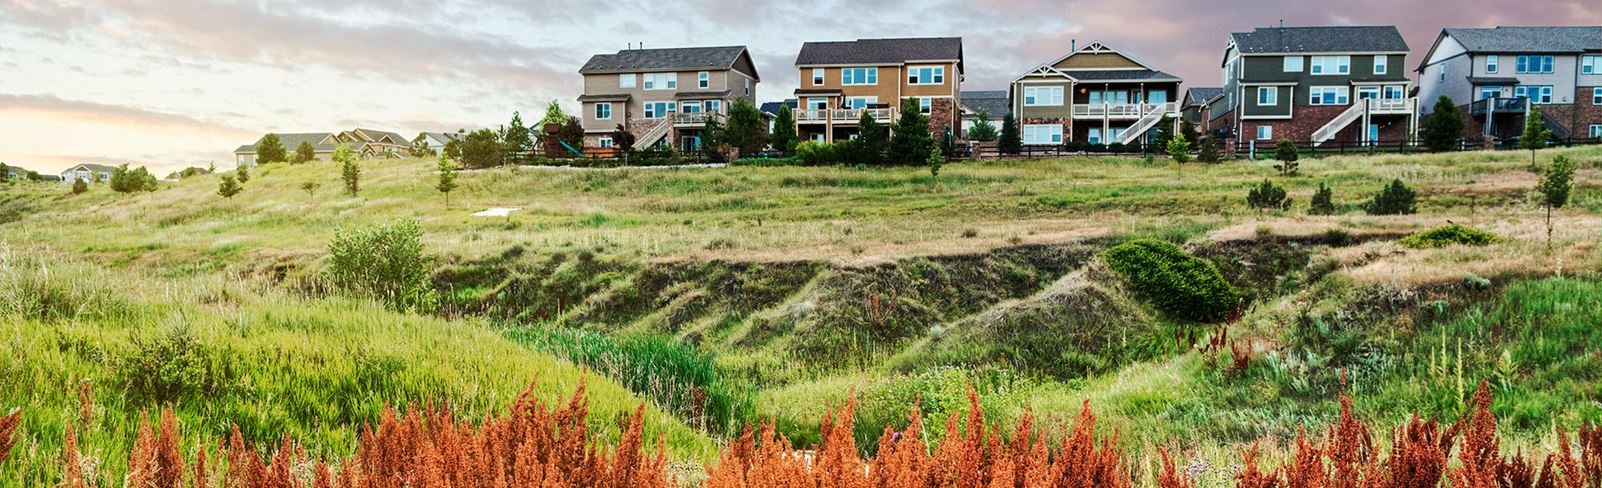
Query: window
1330	95
1382	64
1332	65
1093	136
927	75
1490	91
1043	96
603	111
1265	132
859	76
606	141
703	80
1293	64
748	86
1042	134
1157	97
817	103
925	105
1443	72
1492	63
1535	64
690	107
1596	96
1368	92
625	80
1596	131
817	76
661	81
715	106
1538	94
859	103
657	110
1109	97
1591	65
1268	95
1394	92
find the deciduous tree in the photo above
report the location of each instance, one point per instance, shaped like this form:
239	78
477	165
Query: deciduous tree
1535	134
744	130
1554	189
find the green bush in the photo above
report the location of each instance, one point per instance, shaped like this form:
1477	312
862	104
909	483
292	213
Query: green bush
1449	235
814	153
1267	196
1395	199
1178	284
386	263
1323	202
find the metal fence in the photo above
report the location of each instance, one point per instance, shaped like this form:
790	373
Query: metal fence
1263	149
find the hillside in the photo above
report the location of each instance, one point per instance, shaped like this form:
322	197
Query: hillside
725	295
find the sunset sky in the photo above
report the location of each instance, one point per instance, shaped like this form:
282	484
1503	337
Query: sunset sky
171	83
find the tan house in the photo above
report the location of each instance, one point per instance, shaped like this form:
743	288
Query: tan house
1095	94
368	143
663	96
842	80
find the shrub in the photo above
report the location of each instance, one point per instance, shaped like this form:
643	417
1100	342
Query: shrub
1395	199
124	180
386	263
1209	151
1449	235
228	187
1286	154
814	153
79	187
1337	237
1444	128
1176	283
1323	202
934	162
1267	196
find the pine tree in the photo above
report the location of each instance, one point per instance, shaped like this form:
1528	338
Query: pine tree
783	138
243	173
1286	154
910	141
948	143
1209	151
1535	134
349	170
304	153
1323	202
934	162
712	140
1010	141
1267	196
517	139
982	129
745	130
1554	189
5	173
1188	129
271	150
228	187
870	146
79	186
447	178
1395	199
1443	131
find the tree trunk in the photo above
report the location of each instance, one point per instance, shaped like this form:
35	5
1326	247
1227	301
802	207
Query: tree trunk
1549	228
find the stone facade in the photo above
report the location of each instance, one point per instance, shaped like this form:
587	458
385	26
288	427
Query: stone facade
1067	125
1309	118
943	114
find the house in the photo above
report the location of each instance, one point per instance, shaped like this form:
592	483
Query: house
663	96
436	141
842	80
1197	103
994	104
368	144
770	111
1095	94
1495	75
1315	85
88	172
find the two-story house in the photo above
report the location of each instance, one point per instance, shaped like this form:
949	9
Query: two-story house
842	80
1496	75
663	96
1094	94
1314	85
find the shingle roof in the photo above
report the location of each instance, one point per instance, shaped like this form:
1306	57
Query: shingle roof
1555	39
1120	75
1199	94
1326	39
1493	80
994	103
97	168
772	108
615	97
439	136
704	94
378	135
881	51
292	141
666	59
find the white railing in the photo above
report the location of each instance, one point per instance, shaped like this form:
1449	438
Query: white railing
696	118
652	135
1335	125
1113	110
844	115
1390	106
1145	123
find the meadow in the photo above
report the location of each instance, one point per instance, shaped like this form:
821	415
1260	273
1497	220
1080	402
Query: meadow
723	297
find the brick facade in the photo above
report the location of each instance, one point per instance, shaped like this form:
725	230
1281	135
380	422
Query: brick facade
1309	118
943	114
1578	117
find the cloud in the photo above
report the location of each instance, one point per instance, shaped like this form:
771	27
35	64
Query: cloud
92	112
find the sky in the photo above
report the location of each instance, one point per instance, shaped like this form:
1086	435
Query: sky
175	83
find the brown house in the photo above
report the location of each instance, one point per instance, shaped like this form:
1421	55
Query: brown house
1094	94
840	81
663	96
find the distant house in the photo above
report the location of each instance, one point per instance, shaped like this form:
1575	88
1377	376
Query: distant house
1195	106
88	172
368	144
1496	75
1095	94
770	111
843	80
993	103
437	140
663	96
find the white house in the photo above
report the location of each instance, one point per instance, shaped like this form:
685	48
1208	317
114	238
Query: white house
437	140
87	172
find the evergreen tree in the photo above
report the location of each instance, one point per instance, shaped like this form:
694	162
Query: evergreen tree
1286	154
982	129
271	150
5	173
948	143
934	162
1188	129
1162	133
871	143
1443	130
227	187
1395	199
243	173
712	140
124	180
447	178
304	152
483	149
745	130
1209	151
349	170
1323	202
517	138
1535	134
1267	196
784	138
420	147
1554	189
910	141
79	186
1178	148
1010	140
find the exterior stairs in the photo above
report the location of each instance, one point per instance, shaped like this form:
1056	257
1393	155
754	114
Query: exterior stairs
652	132
1335	125
1146	122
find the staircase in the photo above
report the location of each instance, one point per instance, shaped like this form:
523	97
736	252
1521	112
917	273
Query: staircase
652	133
1146	122
1328	131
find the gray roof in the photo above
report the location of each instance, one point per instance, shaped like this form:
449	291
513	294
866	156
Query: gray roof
994	103
772	108
881	51
379	134
1566	39
613	97
1325	39
1493	80
292	141
97	168
1199	94
440	136
666	59
703	94
1120	75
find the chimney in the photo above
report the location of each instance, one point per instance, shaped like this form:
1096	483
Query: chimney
1073	45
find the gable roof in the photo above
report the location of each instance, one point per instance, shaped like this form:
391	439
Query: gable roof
92	167
993	102
1144	72
378	136
772	108
1321	39
1201	94
667	59
1504	39
438	136
881	51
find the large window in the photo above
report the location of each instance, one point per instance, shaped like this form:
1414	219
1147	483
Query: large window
817	76
1596	131
1043	96
657	110
606	141
859	76
1268	95
1042	134
1492	64
661	81
1368	92
860	103
715	106
703	80
1535	64
1332	65
1265	132
625	80
1382	64
925	105
1591	65
927	75
1394	92
1539	95
1330	95
1293	64
817	103
690	107
603	111
1490	91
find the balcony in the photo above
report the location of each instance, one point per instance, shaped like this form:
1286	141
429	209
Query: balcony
1515	105
1122	110
844	116
696	119
1391	106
